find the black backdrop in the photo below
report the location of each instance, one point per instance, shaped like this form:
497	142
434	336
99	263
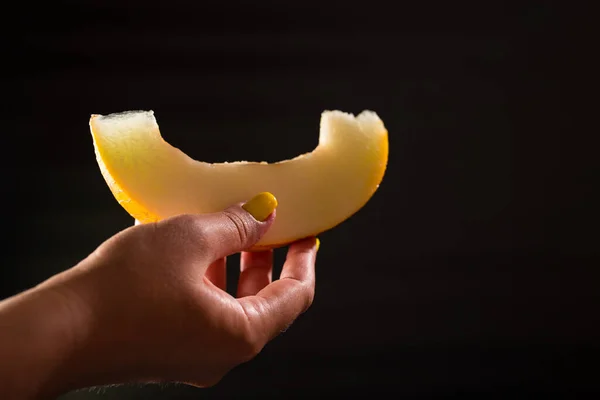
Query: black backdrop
473	268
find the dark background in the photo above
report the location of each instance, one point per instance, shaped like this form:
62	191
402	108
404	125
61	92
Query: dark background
473	269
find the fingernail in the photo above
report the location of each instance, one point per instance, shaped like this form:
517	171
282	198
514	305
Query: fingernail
318	244
261	206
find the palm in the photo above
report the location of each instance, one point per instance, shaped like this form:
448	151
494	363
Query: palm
256	272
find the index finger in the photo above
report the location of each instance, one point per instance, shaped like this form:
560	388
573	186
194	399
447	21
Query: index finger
274	308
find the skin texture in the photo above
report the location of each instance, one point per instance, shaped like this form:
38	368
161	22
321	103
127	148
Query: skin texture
149	305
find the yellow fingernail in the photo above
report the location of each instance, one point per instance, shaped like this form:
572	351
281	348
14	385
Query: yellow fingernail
261	206
318	244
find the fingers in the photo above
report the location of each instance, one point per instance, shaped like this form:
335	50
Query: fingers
256	272
276	306
239	227
217	273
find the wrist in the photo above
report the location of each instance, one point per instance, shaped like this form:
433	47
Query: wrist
88	297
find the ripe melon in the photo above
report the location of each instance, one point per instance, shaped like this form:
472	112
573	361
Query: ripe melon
316	191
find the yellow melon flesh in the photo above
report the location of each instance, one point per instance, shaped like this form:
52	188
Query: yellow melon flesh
316	191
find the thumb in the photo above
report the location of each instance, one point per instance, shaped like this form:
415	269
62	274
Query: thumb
239	227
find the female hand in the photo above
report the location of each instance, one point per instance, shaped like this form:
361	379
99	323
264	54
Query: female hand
149	305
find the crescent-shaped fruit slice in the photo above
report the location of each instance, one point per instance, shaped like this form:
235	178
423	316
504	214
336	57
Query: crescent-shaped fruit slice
316	191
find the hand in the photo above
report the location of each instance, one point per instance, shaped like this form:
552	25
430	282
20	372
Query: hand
149	304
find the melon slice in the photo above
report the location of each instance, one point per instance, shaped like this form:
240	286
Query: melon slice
316	191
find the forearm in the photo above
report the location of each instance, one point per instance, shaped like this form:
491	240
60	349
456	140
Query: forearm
56	337
39	334
34	338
